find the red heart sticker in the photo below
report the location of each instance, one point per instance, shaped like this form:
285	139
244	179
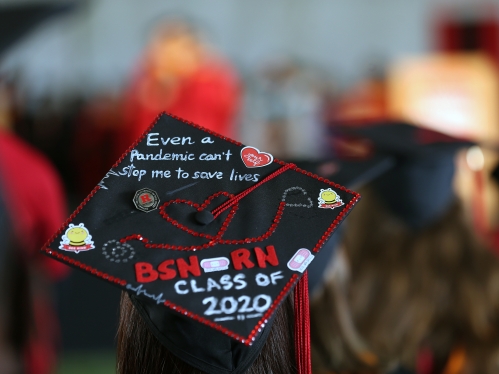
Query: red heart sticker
253	158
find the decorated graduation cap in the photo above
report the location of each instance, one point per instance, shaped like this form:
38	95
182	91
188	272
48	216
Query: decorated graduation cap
207	235
418	186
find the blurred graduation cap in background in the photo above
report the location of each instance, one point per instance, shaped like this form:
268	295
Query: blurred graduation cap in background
18	19
418	187
208	236
411	168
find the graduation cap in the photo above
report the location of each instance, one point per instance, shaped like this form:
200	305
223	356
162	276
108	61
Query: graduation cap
411	168
418	186
18	20
207	235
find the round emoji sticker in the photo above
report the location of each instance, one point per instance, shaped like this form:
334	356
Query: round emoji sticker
329	199
76	239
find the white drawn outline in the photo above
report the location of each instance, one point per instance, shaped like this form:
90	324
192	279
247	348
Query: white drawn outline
310	205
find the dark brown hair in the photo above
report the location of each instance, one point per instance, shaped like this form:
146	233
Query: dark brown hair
139	352
435	288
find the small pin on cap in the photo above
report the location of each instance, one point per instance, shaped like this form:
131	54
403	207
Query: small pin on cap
146	200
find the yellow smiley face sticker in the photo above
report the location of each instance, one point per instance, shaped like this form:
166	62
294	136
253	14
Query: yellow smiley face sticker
329	199
76	239
77	235
329	196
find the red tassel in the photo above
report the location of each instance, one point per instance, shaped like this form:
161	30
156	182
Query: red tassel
302	326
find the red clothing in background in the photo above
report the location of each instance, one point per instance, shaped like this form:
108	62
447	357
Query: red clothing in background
209	97
35	202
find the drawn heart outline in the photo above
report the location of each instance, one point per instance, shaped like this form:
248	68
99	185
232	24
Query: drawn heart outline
304	193
253	158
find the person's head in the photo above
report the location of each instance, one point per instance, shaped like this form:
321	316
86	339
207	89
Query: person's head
175	50
427	288
419	278
140	352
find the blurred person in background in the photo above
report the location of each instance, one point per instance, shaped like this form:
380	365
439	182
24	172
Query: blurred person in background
418	291
180	74
32	208
284	111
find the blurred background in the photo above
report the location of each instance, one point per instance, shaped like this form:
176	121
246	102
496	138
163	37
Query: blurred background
80	80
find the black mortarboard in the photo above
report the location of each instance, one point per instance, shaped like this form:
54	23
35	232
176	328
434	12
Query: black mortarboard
410	167
206	234
17	20
418	187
